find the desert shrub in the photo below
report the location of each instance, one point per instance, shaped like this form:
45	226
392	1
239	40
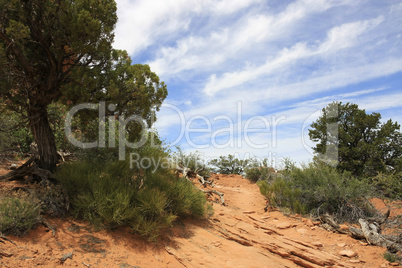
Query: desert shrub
392	257
53	198
18	213
259	170
193	161
388	185
15	136
318	189
280	193
229	165
111	194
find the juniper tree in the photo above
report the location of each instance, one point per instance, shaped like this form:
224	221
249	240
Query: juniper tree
61	50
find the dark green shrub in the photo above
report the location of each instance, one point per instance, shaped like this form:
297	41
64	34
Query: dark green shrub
18	213
392	257
111	194
229	165
280	193
259	170
388	185
15	136
318	189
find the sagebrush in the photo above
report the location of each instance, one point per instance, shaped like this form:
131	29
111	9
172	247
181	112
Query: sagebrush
318	189
19	213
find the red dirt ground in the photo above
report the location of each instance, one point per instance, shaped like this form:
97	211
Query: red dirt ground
239	234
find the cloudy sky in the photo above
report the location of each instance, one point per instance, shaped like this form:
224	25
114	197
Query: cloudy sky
248	77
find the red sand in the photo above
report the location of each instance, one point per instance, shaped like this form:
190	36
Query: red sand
239	234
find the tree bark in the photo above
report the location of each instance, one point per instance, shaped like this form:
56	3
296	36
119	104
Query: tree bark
44	137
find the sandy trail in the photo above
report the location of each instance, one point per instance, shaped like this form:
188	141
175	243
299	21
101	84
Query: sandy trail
239	234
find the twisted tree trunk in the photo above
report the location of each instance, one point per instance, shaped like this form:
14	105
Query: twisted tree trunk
44	137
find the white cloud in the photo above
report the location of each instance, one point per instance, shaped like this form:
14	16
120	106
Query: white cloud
340	37
254	102
224	43
276	58
143	23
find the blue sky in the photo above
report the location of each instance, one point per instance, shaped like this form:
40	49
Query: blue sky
248	77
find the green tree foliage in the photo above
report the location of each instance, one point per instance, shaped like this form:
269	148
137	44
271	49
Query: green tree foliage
229	165
62	51
358	140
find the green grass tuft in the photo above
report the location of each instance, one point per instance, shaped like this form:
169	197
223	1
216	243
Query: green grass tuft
110	194
18	213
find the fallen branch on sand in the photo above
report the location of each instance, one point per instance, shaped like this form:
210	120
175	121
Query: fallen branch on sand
188	173
370	231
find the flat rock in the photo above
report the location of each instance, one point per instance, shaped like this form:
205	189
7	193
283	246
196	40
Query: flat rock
248	212
301	230
309	223
317	244
354	261
283	225
348	253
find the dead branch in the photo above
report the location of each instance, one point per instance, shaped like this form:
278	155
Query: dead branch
49	226
184	171
187	173
214	192
204	181
370	231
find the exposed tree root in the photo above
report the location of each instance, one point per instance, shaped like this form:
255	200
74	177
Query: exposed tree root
52	195
370	231
29	168
188	173
214	192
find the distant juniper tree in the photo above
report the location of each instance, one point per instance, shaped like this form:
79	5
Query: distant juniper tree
364	145
229	165
62	51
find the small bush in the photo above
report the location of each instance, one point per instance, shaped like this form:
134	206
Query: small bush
54	200
18	213
388	185
280	193
15	136
193	161
229	165
391	257
111	194
257	171
318	189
